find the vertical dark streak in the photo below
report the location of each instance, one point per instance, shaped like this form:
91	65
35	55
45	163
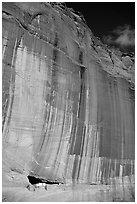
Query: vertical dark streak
75	148
12	80
81	151
54	74
44	136
73	135
74	168
46	120
55	51
81	89
60	139
82	144
4	109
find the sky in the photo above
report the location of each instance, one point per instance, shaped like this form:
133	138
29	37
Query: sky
112	22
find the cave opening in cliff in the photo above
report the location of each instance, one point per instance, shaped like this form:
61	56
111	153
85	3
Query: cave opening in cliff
33	180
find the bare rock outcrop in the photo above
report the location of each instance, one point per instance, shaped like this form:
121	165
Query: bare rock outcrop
68	99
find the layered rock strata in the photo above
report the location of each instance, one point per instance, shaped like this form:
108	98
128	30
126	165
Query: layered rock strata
68	100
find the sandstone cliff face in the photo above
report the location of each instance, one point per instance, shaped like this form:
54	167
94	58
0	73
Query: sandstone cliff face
68	100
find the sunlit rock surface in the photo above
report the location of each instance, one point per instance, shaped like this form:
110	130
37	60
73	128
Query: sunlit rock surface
68	100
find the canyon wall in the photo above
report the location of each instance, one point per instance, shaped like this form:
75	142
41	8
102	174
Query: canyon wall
68	100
